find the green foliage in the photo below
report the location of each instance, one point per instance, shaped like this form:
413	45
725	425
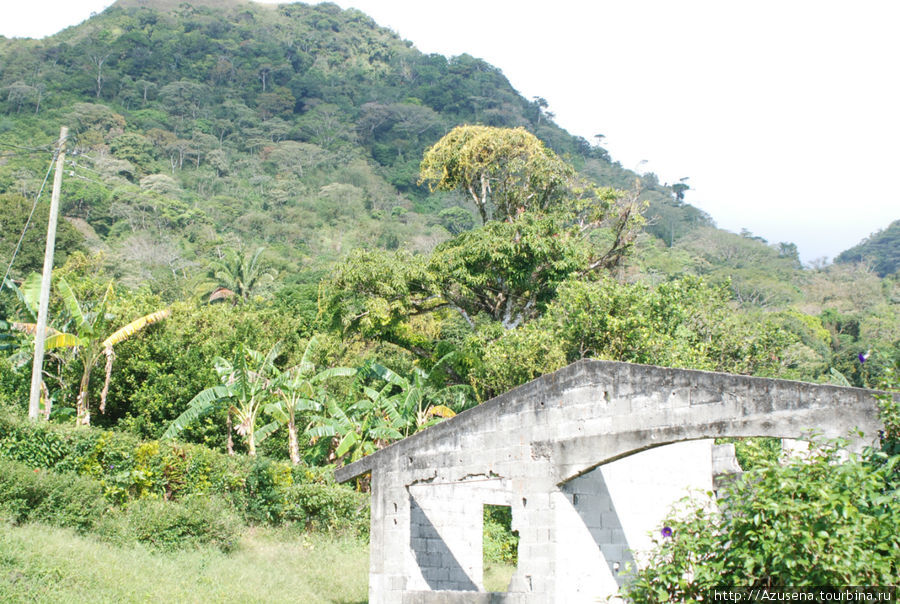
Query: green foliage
881	251
121	470
753	453
500	544
504	171
240	274
195	521
325	506
30	494
14	212
818	520
682	323
244	391
172	112
301	390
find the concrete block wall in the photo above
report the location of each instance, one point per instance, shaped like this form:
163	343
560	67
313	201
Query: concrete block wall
536	447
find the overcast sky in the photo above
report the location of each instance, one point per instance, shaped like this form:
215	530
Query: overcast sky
783	114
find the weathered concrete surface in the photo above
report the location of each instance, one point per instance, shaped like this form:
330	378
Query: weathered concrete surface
557	450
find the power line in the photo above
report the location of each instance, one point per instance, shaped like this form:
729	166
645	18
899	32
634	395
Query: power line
28	222
23	148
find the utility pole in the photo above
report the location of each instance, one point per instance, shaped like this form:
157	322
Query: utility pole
41	331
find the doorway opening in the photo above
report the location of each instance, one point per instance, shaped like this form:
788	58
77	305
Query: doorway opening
500	547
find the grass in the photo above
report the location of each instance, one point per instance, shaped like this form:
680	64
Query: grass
497	576
45	564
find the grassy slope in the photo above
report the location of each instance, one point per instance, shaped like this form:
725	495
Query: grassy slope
43	564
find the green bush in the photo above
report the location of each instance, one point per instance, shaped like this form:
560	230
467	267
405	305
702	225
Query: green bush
32	444
327	507
195	521
126	469
266	490
35	495
818	520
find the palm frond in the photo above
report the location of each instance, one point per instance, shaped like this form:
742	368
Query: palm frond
307	352
441	411
327	374
100	313
389	376
277	411
350	439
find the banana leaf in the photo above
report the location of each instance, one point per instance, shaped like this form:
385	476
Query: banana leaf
204	403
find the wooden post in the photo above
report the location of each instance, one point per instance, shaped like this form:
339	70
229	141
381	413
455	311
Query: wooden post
41	331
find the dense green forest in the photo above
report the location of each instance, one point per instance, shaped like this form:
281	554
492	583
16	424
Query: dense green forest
288	233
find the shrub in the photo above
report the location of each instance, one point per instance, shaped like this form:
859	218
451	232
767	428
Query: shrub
327	507
815	521
192	522
126	469
500	543
31	494
32	444
266	489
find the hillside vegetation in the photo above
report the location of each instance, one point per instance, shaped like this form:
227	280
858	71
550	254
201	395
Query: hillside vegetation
290	239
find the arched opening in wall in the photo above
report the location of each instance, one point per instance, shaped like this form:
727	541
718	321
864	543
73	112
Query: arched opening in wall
611	515
500	547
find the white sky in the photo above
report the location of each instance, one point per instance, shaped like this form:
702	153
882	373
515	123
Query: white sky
784	114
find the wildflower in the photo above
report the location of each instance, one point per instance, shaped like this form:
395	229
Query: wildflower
666	532
863	357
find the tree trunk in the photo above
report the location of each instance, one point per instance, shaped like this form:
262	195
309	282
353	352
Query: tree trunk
47	401
82	410
251	444
293	445
229	444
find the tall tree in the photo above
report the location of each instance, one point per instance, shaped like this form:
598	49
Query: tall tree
504	171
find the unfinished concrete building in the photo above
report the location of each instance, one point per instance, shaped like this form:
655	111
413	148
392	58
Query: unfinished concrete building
588	458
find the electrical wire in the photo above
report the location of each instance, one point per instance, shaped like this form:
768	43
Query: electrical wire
28	222
31	149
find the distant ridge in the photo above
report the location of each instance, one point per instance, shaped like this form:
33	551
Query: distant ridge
173	4
880	250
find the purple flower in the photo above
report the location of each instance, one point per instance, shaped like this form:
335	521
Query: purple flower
666	532
863	357
112	467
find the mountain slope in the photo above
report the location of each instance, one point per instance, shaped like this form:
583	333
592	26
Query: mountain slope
881	251
210	125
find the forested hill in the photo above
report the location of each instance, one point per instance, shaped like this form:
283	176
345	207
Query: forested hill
296	127
881	251
201	133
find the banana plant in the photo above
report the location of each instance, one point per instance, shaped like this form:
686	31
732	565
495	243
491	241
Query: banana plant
21	350
80	343
409	408
245	388
300	390
351	433
90	344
